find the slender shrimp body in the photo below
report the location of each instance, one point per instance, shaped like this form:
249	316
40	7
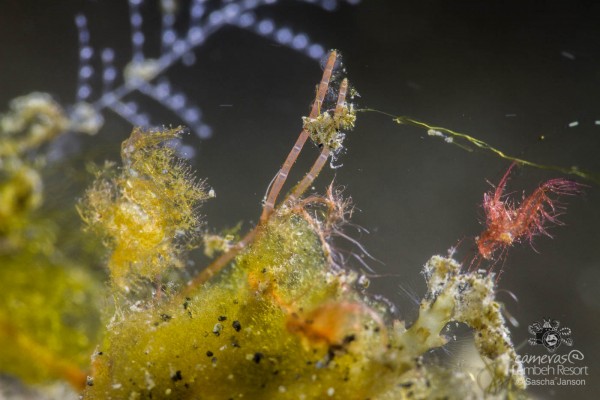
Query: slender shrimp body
507	223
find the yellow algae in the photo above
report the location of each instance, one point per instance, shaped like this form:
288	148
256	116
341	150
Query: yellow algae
147	209
232	337
49	315
49	321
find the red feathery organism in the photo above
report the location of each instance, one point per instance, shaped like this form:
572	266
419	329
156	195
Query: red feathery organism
507	222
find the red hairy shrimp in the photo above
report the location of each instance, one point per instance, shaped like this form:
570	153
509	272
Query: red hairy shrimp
507	222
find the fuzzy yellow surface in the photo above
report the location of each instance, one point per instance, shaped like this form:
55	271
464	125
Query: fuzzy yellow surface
234	337
147	210
49	322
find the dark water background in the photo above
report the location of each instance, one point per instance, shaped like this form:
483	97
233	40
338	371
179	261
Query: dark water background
506	72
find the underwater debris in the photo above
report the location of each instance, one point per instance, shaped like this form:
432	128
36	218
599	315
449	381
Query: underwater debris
325	129
465	141
33	120
216	244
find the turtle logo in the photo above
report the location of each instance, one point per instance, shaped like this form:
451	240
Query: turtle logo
550	335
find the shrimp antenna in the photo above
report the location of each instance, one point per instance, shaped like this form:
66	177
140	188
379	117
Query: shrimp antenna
282	175
275	186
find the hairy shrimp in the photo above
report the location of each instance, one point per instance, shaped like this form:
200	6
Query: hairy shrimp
507	222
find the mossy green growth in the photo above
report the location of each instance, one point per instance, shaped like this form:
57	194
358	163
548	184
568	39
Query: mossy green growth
49	321
147	209
49	318
255	332
325	129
